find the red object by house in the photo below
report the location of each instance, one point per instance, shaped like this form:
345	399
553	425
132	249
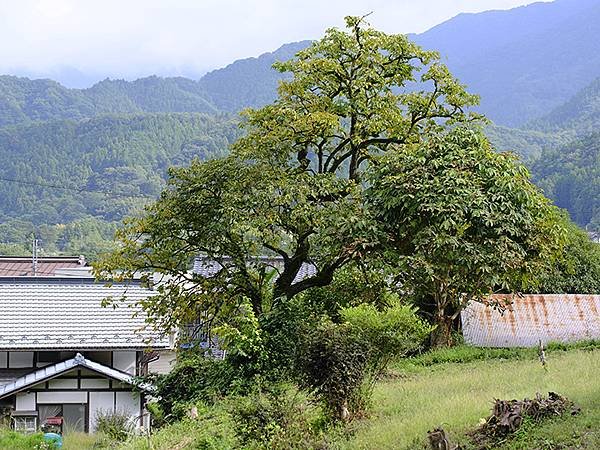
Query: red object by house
54	421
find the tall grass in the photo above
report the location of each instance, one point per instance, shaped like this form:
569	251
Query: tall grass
83	441
18	441
457	396
212	433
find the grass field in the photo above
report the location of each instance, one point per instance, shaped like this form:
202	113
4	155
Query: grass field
453	388
456	395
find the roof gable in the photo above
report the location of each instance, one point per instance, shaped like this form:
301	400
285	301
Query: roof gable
60	368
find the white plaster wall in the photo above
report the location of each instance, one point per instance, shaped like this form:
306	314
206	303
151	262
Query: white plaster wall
62	397
164	363
100	401
25	402
129	402
94	384
62	383
124	361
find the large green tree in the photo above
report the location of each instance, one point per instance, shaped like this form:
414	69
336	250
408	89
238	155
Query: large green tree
576	271
462	222
293	185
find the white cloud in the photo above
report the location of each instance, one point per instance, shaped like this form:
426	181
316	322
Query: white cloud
131	38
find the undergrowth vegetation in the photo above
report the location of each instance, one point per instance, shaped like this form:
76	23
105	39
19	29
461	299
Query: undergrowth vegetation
19	441
450	387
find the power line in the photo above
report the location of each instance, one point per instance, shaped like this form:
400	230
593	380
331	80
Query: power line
79	190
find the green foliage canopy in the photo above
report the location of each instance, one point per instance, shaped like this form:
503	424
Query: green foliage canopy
292	186
576	271
462	221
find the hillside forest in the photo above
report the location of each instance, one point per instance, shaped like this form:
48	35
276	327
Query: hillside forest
77	161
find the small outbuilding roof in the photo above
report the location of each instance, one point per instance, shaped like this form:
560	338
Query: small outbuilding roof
55	370
23	266
39	313
528	319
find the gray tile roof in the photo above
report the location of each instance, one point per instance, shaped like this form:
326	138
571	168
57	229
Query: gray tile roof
62	367
66	314
209	267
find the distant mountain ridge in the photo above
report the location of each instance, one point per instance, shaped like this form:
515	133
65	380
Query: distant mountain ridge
23	100
536	67
245	83
250	82
579	115
524	62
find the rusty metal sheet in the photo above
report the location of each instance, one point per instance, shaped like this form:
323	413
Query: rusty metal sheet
527	319
14	266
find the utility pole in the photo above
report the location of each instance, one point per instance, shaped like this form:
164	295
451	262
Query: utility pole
34	261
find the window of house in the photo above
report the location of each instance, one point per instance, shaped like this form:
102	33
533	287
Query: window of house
48	357
73	415
26	424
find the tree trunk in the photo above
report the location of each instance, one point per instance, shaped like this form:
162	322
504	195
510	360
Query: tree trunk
442	335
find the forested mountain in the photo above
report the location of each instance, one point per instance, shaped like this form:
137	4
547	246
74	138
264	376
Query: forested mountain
23	100
570	175
579	115
60	146
244	83
93	172
525	61
123	155
562	150
248	82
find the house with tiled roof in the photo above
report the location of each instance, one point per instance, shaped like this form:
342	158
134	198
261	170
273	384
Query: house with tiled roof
65	357
45	266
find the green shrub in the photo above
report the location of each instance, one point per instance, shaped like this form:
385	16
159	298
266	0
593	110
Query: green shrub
333	367
14	440
390	333
195	378
342	362
277	418
116	425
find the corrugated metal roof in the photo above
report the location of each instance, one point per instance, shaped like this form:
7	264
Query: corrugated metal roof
21	266
208	267
66	314
62	367
527	319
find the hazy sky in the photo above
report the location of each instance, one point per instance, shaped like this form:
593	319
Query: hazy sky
132	38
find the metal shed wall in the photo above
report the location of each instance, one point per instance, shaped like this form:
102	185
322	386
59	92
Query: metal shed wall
527	319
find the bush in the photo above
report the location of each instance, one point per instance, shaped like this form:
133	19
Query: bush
18	441
116	425
333	367
389	333
341	362
195	378
277	418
